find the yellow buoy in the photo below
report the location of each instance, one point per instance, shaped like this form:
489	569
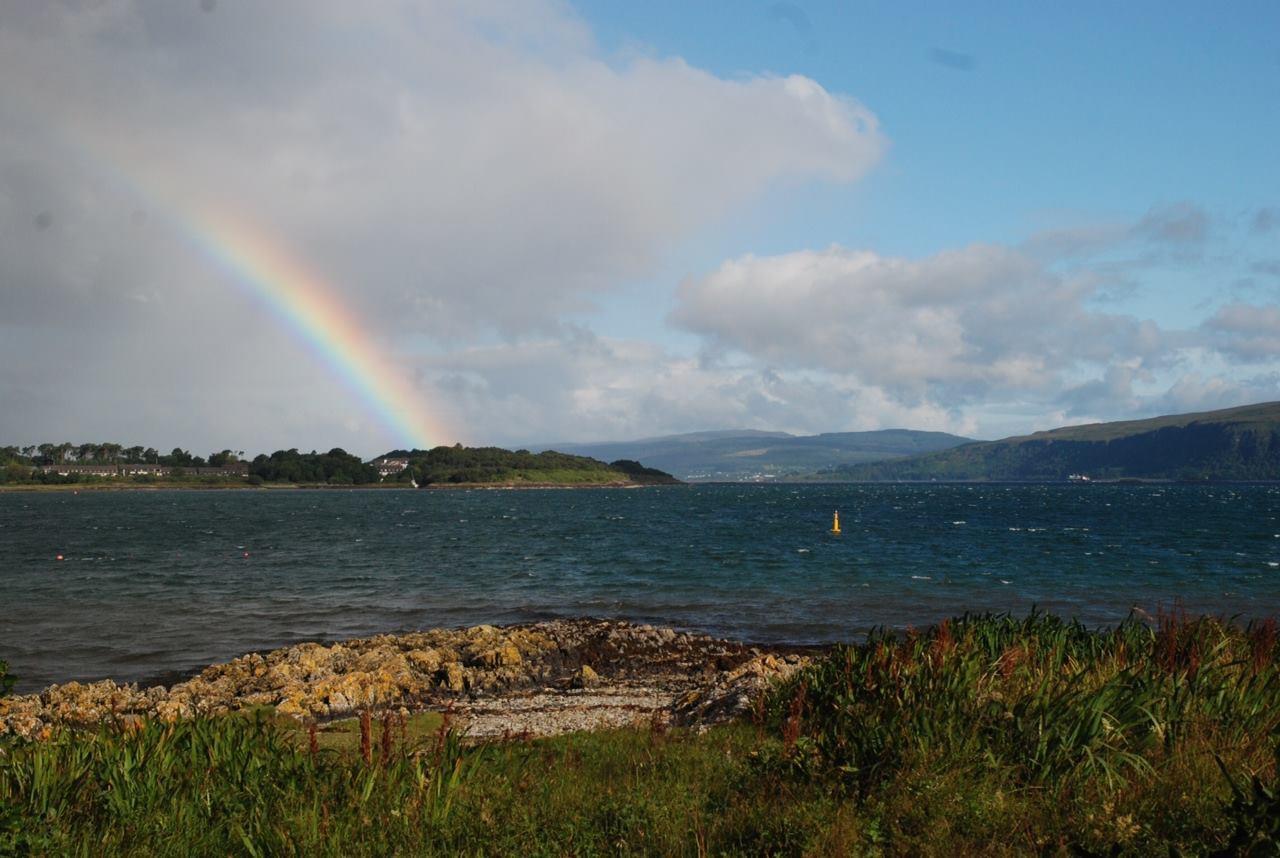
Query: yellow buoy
835	523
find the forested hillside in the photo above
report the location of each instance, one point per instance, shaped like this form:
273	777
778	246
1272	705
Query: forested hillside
1232	444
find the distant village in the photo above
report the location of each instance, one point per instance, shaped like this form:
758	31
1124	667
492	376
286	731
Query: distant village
66	469
384	466
70	463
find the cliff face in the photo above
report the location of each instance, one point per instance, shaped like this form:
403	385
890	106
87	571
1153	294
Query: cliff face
1235	444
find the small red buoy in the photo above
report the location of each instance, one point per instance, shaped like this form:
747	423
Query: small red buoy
59	556
246	554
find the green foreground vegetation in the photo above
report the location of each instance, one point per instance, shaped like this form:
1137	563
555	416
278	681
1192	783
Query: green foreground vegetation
981	736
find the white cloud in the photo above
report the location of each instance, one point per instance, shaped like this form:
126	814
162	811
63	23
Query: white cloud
583	387
951	328
466	173
461	167
451	168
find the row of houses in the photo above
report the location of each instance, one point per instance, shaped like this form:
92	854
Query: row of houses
385	467
389	467
231	469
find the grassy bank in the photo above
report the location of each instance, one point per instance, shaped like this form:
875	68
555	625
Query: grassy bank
981	736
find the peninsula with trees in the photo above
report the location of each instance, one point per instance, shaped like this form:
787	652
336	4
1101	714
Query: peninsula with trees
110	465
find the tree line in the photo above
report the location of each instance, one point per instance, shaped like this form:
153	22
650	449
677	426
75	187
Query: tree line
336	467
106	453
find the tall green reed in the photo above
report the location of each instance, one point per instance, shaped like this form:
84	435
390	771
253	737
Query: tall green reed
1045	698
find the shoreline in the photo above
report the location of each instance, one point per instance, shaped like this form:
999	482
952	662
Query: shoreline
543	678
270	487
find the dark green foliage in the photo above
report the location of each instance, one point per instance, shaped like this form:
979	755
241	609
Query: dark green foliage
6	679
458	464
639	472
1254	816
1236	444
15	472
336	467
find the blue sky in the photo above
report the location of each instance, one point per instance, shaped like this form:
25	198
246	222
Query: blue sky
1006	119
599	221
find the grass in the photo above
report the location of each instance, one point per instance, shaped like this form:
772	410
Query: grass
984	735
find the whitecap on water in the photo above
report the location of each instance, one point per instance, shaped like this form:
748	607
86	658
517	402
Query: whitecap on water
921	578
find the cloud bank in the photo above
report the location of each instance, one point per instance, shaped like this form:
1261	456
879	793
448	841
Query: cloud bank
468	178
455	171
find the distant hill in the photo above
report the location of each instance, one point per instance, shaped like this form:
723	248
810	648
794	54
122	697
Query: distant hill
495	466
745	454
1233	444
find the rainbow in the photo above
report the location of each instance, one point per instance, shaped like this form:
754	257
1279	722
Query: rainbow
274	277
305	303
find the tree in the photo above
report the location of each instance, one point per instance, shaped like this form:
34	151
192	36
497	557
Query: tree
226	457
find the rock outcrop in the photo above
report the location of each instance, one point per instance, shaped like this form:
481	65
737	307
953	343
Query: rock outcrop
538	678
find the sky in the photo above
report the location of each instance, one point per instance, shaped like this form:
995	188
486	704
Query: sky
312	223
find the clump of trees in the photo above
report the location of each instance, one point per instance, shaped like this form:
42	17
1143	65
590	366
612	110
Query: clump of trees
458	464
106	453
336	467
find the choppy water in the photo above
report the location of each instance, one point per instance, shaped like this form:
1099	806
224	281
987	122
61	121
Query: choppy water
160	581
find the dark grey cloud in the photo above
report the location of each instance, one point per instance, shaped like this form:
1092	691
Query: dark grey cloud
1265	220
954	60
1181	223
795	17
1267	267
1246	332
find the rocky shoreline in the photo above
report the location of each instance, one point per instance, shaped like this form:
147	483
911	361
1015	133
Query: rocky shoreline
530	679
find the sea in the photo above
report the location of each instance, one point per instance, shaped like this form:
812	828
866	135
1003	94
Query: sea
152	584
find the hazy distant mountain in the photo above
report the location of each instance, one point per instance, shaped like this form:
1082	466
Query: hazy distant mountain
1233	444
746	454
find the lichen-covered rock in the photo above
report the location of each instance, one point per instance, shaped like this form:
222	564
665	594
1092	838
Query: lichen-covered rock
699	677
585	677
733	693
452	677
424	660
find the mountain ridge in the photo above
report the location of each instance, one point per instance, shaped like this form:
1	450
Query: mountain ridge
1239	443
753	454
